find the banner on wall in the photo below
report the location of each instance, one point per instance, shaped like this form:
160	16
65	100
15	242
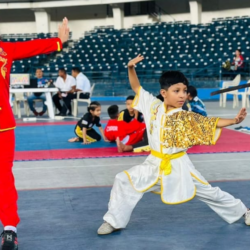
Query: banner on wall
19	79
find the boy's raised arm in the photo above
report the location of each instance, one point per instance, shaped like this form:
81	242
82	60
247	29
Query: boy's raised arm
133	79
228	122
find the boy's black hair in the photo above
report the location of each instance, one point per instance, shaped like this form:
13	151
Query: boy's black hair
93	106
63	70
160	97
130	97
192	91
172	77
113	111
76	69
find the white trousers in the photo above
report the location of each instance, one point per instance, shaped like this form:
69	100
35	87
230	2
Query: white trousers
124	198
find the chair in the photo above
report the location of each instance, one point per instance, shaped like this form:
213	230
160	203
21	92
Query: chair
75	101
18	98
245	97
235	93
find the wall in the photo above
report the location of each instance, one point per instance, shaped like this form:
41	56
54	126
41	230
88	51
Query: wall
208	15
17	28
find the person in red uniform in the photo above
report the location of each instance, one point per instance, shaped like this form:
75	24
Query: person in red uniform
10	52
129	133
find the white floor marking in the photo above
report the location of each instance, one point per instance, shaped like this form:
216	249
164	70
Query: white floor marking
113	165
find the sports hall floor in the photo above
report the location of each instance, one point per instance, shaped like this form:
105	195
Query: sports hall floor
62	201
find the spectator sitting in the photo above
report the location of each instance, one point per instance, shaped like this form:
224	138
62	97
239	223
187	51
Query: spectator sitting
67	86
238	63
82	84
41	82
129	114
196	104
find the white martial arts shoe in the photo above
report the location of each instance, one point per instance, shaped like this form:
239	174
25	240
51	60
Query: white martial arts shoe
247	218
106	228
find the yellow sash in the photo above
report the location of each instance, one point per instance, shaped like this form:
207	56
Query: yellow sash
165	163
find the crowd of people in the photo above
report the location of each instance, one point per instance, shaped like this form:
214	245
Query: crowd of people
68	87
125	128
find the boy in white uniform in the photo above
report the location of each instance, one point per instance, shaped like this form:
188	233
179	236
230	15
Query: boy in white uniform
168	170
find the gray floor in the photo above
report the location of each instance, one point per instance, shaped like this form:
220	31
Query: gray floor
101	172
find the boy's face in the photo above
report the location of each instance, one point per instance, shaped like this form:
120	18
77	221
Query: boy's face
129	105
175	96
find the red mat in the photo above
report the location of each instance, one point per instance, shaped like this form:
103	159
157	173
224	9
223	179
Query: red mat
51	123
229	142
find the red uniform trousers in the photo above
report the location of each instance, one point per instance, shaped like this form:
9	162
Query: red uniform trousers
136	136
8	193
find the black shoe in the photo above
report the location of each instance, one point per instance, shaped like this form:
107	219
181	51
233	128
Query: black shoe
60	114
69	114
9	240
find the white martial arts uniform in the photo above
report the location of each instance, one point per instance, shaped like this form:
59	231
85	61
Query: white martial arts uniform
168	170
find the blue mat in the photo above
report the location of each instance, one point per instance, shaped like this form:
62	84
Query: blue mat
69	218
51	137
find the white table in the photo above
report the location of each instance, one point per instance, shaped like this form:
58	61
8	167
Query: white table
46	91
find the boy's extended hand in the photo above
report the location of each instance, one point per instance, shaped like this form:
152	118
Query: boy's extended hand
241	116
134	61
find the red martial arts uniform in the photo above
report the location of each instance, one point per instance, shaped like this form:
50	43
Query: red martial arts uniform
8	53
129	133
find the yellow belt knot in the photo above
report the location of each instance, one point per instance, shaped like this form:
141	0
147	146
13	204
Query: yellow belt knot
165	165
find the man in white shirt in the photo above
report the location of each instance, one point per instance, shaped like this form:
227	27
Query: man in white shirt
82	84
67	86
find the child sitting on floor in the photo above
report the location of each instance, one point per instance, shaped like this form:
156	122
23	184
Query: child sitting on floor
129	133
196	105
84	127
129	114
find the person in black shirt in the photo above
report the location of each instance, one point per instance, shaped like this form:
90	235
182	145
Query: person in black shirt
129	114
84	127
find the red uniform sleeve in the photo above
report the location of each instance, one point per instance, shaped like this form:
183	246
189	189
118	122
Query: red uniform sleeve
22	50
